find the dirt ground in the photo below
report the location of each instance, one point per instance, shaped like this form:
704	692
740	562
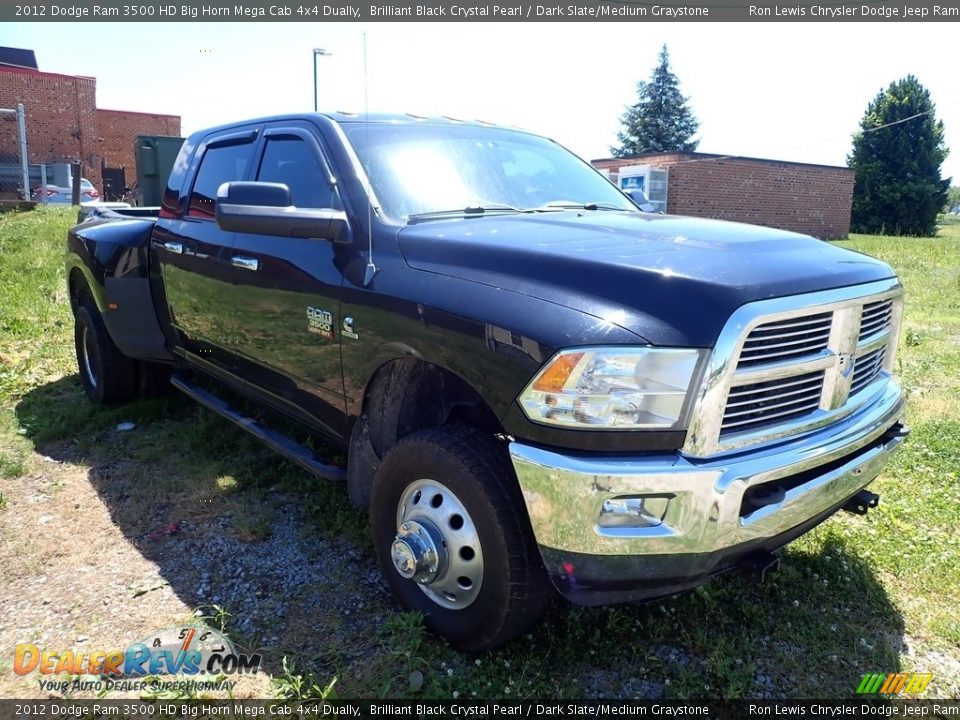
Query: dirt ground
84	569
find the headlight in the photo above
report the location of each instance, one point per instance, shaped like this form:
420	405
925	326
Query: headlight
613	388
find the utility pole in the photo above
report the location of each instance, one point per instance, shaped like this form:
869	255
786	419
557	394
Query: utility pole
24	166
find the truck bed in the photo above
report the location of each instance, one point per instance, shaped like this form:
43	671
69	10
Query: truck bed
105	211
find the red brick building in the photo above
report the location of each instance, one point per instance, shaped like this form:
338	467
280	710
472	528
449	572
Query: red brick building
811	199
120	125
65	125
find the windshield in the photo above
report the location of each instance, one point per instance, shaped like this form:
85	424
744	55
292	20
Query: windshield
418	170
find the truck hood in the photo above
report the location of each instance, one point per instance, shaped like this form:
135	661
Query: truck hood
670	280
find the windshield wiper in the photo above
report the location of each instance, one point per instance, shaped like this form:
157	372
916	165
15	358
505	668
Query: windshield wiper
564	205
501	209
469	211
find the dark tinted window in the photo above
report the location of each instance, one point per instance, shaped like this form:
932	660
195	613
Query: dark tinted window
219	165
291	161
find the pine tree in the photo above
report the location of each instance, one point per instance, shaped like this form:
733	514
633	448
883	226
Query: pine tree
660	121
896	159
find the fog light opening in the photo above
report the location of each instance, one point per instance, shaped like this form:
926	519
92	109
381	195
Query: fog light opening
638	511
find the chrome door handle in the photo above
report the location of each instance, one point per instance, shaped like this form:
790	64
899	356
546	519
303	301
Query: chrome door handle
174	247
246	263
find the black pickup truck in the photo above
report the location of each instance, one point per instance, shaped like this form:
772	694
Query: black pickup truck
538	386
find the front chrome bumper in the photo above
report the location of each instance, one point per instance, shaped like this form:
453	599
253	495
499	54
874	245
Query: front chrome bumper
707	527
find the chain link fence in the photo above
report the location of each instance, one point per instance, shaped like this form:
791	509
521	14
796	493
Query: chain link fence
19	180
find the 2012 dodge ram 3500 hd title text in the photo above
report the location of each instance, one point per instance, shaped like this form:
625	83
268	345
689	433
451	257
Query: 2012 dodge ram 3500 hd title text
538	385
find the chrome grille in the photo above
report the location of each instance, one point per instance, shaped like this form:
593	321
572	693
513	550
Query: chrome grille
866	369
786	339
757	404
877	317
792	364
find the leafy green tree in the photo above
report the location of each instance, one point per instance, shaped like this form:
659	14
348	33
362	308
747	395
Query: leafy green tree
660	120
896	158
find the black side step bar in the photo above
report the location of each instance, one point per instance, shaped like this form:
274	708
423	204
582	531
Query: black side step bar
274	440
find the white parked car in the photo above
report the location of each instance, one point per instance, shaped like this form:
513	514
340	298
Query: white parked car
57	194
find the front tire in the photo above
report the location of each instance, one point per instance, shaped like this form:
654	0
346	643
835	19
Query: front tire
453	540
106	374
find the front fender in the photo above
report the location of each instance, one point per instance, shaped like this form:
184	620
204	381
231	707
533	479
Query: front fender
494	340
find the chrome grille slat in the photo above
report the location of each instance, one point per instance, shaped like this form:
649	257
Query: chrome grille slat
874	308
804	320
873	328
754	397
876	317
821	340
798	411
866	369
786	340
779	334
784	354
758	403
765	409
744	425
793	339
766	397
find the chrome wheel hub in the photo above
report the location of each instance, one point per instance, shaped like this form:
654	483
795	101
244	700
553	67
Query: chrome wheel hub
414	553
437	545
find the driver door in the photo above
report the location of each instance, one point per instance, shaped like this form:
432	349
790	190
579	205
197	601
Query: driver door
287	290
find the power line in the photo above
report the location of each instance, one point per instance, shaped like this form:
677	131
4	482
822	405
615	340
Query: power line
897	122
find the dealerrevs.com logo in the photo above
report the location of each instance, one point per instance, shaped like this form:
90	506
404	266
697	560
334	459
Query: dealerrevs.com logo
189	651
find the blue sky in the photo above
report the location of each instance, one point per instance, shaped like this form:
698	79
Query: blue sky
788	91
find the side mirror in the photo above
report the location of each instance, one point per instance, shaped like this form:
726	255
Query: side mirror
262	208
640	200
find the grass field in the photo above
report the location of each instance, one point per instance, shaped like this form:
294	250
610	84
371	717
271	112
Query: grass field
857	595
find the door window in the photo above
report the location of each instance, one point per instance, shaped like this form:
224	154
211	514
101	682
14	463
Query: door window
220	164
292	161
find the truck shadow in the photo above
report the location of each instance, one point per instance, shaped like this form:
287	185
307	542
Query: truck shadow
283	562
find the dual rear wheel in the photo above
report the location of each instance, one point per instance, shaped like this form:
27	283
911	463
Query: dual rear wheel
108	376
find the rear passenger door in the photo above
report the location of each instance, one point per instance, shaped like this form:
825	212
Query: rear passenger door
194	254
288	289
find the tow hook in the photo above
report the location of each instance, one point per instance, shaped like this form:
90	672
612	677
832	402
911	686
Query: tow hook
900	430
861	503
755	567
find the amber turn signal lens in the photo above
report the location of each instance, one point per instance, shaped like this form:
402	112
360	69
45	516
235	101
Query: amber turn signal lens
555	377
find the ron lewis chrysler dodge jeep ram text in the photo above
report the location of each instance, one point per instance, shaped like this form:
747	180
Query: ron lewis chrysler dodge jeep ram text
539	387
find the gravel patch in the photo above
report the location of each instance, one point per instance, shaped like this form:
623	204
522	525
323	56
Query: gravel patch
78	572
